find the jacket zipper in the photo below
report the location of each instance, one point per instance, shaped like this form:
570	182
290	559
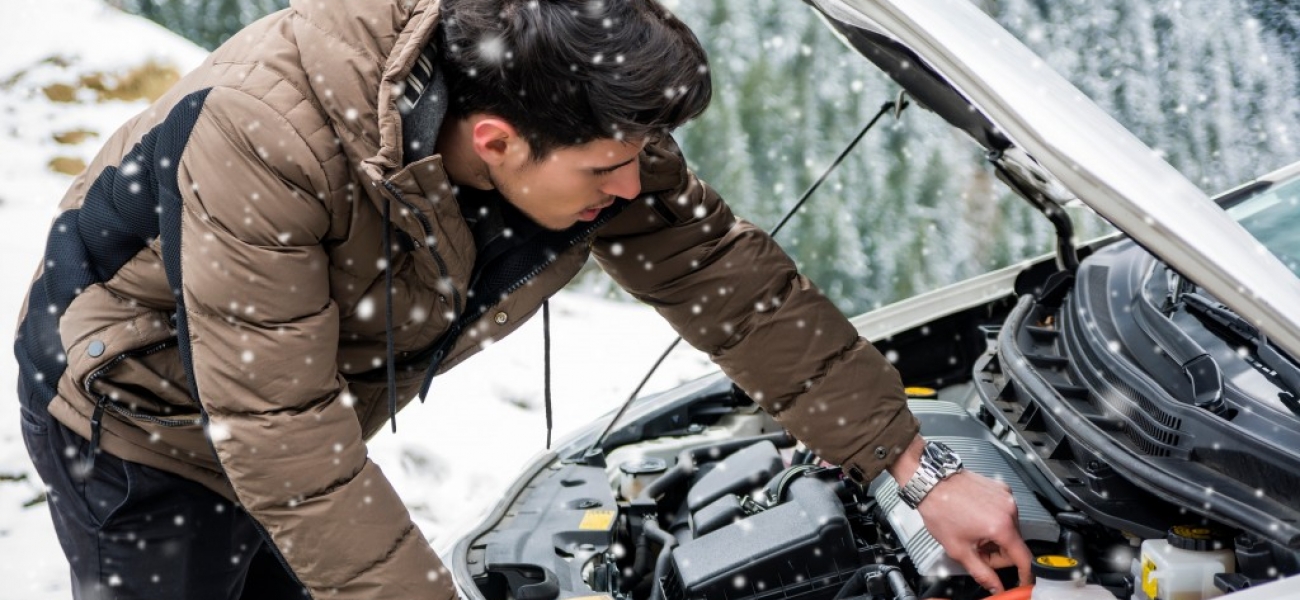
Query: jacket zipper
586	232
116	360
449	338
104	402
150	419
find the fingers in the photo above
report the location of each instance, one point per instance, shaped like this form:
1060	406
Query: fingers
981	532
980	572
1008	551
1021	557
1013	546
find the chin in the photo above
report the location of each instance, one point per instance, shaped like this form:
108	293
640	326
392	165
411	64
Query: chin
557	226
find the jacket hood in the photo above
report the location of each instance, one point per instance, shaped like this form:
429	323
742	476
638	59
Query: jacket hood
346	47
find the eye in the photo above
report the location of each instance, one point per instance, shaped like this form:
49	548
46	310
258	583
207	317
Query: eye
599	171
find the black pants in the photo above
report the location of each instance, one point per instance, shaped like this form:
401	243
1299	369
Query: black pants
131	531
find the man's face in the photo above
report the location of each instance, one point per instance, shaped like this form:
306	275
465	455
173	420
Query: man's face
570	184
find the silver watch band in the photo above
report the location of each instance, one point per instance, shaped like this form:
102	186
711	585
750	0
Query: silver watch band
938	462
919	485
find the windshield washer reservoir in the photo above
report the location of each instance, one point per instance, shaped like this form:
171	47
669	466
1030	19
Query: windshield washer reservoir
1182	566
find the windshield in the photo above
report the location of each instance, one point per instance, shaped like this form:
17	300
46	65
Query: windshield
1273	217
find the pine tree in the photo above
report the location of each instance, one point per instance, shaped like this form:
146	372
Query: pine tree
207	23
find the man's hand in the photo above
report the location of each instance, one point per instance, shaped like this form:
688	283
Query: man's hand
974	518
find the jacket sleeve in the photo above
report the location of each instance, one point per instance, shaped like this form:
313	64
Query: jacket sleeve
259	335
731	292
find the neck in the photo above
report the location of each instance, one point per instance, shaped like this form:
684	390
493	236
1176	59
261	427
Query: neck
463	165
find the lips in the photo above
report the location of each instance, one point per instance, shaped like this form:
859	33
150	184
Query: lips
590	213
603	205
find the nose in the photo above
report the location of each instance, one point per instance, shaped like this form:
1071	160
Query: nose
625	182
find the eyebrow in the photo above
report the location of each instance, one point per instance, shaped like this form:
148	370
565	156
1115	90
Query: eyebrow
612	168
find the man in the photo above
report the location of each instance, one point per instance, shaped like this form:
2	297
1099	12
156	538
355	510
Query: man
348	197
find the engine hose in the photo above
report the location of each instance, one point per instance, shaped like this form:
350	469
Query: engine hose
641	563
898	584
777	490
1019	593
1074	545
652	529
860	583
687	461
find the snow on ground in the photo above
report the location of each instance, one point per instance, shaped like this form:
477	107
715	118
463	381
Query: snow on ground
451	458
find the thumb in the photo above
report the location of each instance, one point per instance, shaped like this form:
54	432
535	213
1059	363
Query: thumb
980	572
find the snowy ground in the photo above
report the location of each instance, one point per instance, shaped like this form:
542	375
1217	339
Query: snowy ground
451	457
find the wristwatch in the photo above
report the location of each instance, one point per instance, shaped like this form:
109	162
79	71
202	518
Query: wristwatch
938	462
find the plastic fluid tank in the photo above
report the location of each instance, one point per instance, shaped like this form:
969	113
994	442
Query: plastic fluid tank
1182	566
636	474
1062	578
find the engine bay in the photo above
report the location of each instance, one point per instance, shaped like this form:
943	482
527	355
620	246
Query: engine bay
702	495
739	510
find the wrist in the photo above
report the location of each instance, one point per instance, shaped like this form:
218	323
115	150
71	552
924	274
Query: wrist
904	467
936	463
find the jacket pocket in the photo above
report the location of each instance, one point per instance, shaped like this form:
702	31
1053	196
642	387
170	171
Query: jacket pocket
146	386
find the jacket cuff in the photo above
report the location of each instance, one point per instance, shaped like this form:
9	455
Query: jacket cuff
880	452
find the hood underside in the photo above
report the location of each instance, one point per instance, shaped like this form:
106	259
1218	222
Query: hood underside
1059	145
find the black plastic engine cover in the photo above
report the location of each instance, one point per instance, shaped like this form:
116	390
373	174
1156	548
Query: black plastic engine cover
801	549
740	473
724	511
564	518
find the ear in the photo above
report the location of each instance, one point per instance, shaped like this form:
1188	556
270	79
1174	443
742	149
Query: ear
495	140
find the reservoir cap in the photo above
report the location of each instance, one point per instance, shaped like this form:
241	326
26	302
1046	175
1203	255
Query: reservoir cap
1055	567
1198	538
644	466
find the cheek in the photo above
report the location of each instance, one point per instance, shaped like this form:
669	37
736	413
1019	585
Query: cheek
564	196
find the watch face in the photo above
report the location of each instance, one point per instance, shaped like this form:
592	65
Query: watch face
938	461
942	457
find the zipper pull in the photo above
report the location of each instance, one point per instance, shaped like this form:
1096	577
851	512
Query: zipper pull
96	425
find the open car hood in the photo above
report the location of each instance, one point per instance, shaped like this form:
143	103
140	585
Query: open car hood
1058	146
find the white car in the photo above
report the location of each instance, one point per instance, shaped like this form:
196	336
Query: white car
1140	393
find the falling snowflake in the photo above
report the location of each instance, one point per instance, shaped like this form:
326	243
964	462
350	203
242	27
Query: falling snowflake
493	49
365	309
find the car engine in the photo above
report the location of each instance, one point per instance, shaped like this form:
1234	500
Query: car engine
736	509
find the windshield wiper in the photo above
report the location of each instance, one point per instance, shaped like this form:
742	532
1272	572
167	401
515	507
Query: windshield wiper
1279	369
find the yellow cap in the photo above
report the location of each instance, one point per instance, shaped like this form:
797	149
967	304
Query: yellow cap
1055	567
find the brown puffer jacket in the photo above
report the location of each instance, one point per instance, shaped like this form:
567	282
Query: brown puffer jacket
212	294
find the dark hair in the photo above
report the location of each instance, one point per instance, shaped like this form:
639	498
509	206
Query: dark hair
566	72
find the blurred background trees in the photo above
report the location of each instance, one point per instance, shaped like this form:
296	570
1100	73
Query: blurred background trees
204	22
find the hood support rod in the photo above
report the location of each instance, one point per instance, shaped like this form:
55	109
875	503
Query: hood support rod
1022	177
594	455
